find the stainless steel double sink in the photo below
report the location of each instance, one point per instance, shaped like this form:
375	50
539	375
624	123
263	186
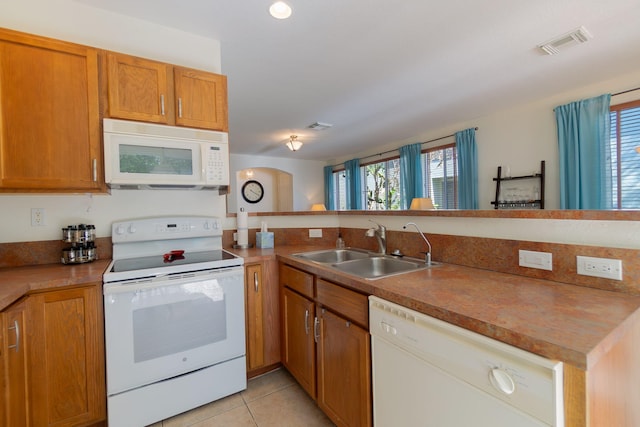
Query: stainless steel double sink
364	264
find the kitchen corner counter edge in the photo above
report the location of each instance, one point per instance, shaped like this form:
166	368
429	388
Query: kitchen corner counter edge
15	282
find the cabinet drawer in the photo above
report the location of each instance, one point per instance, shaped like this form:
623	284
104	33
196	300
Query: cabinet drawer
297	280
353	305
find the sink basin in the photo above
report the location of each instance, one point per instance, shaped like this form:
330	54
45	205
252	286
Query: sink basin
332	256
379	266
364	264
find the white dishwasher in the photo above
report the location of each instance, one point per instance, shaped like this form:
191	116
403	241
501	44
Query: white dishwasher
427	372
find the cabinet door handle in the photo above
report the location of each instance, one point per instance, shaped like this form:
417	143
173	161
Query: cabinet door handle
16	326
162	104
306	322
255	280
180	107
94	167
316	334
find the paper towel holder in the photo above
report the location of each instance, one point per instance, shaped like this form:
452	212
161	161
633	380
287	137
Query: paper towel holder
243	228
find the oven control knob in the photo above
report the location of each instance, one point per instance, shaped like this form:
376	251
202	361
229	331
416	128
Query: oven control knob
119	229
207	225
132	229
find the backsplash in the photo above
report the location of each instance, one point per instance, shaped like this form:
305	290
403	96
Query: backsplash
502	255
478	252
44	252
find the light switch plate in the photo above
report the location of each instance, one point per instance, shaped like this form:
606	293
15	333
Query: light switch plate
599	267
533	259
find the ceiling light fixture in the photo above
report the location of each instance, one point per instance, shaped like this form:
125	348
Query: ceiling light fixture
293	144
280	10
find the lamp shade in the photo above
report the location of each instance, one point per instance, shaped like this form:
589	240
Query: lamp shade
421	204
293	144
318	207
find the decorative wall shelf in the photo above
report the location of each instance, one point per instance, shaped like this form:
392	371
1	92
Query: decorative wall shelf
530	195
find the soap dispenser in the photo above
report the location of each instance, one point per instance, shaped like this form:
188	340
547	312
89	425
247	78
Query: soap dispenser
340	242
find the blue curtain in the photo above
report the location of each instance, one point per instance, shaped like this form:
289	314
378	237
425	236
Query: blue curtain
354	184
585	156
411	174
329	198
467	169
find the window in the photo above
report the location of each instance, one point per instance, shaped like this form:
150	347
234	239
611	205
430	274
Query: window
382	185
440	173
625	155
381	181
340	189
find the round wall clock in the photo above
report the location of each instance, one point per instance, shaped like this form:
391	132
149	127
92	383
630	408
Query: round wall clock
252	191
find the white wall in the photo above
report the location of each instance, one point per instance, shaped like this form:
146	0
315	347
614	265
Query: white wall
71	21
520	137
308	178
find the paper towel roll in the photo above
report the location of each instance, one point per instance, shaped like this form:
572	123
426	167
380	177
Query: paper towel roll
243	237
242	223
242	220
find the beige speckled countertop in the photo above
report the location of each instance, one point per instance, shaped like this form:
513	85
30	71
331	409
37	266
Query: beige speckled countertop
570	323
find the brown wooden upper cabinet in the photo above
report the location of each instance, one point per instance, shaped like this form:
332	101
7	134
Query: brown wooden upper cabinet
49	110
151	91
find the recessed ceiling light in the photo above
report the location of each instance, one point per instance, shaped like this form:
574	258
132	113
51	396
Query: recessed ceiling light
280	10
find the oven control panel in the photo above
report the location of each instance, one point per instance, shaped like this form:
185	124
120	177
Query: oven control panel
149	229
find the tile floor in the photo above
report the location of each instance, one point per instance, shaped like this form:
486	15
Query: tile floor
273	399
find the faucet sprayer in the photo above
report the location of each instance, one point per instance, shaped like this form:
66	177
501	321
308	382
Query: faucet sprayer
428	254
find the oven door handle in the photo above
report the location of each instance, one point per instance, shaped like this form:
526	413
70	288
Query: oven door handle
169	280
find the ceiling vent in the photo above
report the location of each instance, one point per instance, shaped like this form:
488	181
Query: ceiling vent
579	35
319	126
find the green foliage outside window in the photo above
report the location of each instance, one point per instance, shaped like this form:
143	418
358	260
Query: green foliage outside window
383	185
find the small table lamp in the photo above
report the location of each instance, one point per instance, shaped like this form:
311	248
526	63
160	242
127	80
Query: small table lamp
421	204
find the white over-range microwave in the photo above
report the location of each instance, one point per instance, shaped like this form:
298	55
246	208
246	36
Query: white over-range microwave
149	156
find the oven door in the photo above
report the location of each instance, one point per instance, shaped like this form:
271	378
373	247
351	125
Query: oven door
166	327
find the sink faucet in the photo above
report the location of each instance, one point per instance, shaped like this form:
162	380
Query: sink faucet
427	254
380	234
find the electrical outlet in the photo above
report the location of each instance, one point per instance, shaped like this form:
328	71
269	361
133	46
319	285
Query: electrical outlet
37	217
533	259
600	267
315	232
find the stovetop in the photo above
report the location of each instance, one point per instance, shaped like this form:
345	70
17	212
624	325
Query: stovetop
169	260
154	247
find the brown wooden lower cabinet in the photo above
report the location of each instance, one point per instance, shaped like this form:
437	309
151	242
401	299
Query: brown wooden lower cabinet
326	345
58	374
299	347
14	366
262	310
344	370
